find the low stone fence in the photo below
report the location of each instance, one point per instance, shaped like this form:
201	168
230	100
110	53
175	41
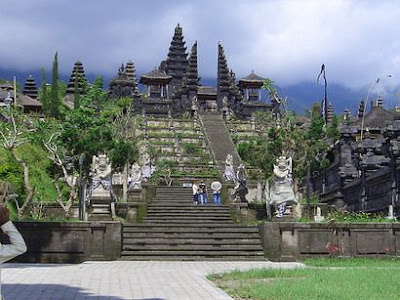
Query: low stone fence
63	242
291	241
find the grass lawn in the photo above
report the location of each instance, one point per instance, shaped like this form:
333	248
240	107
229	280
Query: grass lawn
323	279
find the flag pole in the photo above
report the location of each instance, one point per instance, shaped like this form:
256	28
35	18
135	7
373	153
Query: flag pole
15	91
324	105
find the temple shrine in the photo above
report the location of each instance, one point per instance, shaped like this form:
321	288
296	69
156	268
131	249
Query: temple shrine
76	84
174	88
30	88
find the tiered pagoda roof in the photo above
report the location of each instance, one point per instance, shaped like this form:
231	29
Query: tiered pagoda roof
251	80
125	85
131	72
190	81
27	103
177	62
223	79
30	88
78	74
234	89
155	77
192	73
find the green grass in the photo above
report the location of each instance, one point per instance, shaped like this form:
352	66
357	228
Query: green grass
391	261
324	279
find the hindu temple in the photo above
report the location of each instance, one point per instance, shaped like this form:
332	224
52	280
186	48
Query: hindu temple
174	87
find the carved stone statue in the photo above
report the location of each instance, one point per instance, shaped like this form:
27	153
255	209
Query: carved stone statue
229	173
281	193
101	177
147	168
224	102
195	103
240	188
135	177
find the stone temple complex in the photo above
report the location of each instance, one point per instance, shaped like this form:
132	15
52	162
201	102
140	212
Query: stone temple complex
174	88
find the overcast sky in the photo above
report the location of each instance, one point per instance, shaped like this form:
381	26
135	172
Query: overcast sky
286	41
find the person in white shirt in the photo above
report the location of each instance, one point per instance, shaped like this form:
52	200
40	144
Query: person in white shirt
216	187
17	244
195	190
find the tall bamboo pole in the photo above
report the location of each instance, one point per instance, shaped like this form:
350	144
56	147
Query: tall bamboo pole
15	91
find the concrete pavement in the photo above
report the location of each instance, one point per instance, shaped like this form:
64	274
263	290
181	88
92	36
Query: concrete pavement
120	280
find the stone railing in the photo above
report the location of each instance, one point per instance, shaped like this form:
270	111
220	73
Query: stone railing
292	241
64	242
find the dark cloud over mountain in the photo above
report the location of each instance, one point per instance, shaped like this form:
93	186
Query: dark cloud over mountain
283	40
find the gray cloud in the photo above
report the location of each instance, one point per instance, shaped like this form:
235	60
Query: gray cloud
284	40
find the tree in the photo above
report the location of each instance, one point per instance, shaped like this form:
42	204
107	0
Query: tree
14	134
58	156
55	101
95	97
125	150
87	130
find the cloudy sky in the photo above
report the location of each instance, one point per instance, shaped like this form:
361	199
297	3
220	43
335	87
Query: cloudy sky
287	41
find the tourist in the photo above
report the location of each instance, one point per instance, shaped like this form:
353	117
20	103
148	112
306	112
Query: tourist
195	189
203	192
17	244
216	187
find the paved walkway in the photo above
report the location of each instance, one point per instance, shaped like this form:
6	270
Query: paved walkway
120	280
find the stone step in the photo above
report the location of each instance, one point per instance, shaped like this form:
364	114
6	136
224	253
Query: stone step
204	212
192	247
130	257
175	229
101	211
191	235
187	202
100	217
198	209
194	253
219	138
173	190
177	193
174	202
101	205
177	240
223	227
188	219
189	214
101	200
172	197
188	222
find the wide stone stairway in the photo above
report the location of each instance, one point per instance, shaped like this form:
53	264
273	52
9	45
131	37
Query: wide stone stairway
219	139
175	229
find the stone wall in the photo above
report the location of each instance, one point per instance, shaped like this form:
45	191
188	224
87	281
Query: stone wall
292	241
62	242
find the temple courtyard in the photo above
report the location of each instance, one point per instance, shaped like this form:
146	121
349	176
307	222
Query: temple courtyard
121	280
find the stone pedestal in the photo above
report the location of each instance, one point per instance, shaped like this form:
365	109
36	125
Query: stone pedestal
134	195
290	214
241	210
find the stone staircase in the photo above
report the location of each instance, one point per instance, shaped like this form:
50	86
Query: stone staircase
174	229
219	140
